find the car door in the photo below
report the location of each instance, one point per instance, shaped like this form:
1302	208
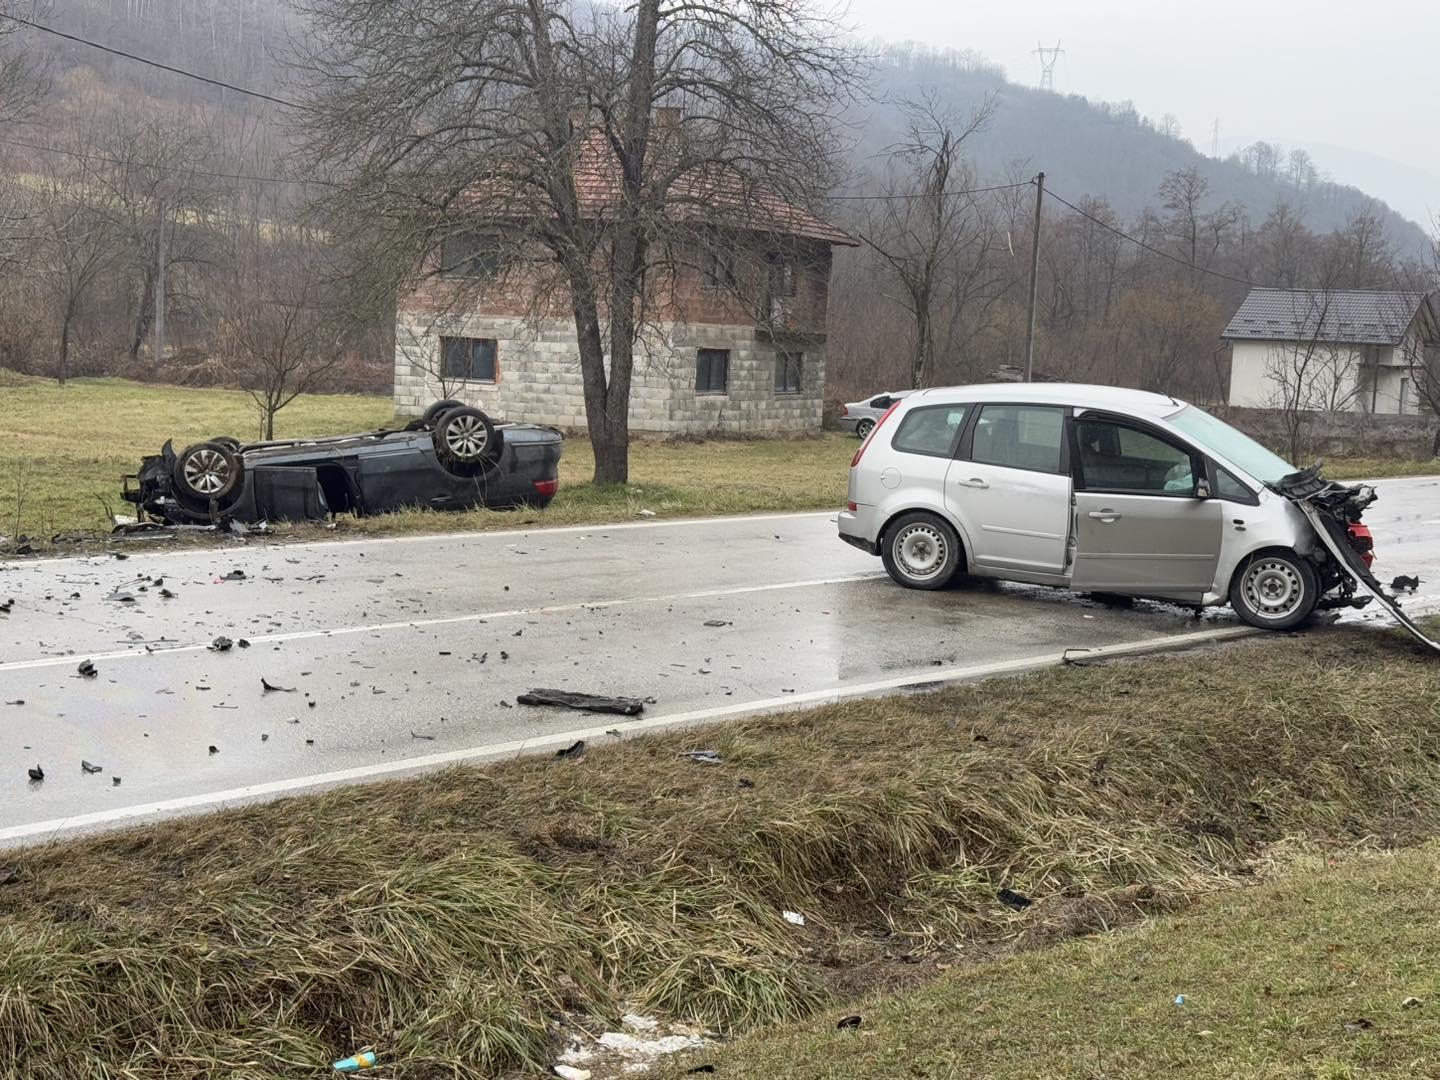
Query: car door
1144	521
1010	489
923	448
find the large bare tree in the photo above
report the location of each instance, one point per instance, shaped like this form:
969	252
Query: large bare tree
447	116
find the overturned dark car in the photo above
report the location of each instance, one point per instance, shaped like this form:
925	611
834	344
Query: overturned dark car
452	458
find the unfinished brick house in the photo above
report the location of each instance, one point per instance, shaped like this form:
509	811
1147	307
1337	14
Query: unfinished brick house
735	338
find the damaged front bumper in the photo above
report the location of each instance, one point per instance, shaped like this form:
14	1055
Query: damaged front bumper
1331	509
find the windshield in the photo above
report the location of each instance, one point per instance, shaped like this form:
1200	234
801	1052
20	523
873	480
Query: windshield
1235	446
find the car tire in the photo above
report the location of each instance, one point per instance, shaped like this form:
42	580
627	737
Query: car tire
921	551
864	427
228	440
207	471
439	409
465	437
1275	590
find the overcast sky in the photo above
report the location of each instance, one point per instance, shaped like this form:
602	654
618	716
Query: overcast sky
1359	76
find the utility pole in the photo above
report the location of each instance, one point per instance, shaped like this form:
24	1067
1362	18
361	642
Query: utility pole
1215	139
160	285
1034	278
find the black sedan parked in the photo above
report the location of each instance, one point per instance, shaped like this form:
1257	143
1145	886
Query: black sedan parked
452	458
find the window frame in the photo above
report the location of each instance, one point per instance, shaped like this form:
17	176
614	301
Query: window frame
1215	469
728	280
725	388
782	276
961	428
782	370
966	450
445	374
464	271
1200	463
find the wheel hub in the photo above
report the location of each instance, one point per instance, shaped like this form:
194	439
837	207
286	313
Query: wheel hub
1273	588
207	471
921	550
466	437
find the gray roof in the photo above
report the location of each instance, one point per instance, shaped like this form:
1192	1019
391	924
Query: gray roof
1338	316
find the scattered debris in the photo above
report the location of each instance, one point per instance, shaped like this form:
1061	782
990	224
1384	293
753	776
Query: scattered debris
166	594
615	733
417	735
365	1059
36	774
233	575
86	767
114	781
566	1072
645	513
706	1068
746	782
1013	900
87	669
1355	1027
1066	659
574	750
1180	999
1404	583
243	643
718	622
267	687
794	918
848	1023
214	749
704	757
221	644
583	702
6	606
1411	1003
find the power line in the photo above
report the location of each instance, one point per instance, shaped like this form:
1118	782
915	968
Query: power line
165	168
152	63
1150	248
930	194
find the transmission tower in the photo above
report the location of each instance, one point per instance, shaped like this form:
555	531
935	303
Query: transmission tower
1215	139
1047	64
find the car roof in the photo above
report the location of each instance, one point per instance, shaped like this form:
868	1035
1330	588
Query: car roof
1140	402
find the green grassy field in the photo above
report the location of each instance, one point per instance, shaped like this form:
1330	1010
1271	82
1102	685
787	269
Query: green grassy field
63	451
450	919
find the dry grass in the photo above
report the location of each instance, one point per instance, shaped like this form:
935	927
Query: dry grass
448	919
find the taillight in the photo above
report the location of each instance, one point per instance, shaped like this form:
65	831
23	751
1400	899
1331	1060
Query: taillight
547	487
1363	542
873	432
844	410
852	507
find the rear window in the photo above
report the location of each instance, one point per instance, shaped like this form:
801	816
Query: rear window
1020	436
933	430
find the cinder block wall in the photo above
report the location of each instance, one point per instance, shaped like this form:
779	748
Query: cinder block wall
1350	433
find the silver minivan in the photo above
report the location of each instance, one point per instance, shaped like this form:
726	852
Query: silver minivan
1096	489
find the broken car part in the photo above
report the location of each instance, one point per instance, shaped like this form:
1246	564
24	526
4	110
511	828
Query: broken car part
583	702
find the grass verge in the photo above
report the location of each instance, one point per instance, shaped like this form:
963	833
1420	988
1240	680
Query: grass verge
1271	978
450	919
63	451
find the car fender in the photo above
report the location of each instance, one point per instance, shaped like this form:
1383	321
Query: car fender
893	508
1275	523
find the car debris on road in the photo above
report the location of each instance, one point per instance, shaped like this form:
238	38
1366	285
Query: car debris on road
623	706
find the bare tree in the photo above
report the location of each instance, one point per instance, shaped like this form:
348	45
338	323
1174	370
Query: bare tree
279	328
458	115
1311	373
926	219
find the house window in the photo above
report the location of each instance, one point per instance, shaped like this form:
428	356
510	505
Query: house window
1407	397
712	371
782	275
788	367
470	255
717	269
470	359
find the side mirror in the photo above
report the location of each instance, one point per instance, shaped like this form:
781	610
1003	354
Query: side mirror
1202	488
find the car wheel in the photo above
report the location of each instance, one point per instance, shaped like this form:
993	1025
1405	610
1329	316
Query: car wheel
464	436
921	551
439	409
206	471
1275	590
864	427
228	440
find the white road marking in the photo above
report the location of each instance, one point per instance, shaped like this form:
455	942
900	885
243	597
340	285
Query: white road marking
275	543
448	620
916	681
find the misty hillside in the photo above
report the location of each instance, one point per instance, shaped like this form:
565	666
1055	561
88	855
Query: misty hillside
1085	148
1096	149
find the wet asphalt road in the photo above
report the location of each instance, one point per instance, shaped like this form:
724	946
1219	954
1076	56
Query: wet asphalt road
415	648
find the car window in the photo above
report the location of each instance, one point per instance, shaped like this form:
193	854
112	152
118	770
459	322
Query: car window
881	402
1114	457
1020	436
1228	487
1216	435
933	430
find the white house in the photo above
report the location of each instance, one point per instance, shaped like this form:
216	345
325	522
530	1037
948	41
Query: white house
1330	350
